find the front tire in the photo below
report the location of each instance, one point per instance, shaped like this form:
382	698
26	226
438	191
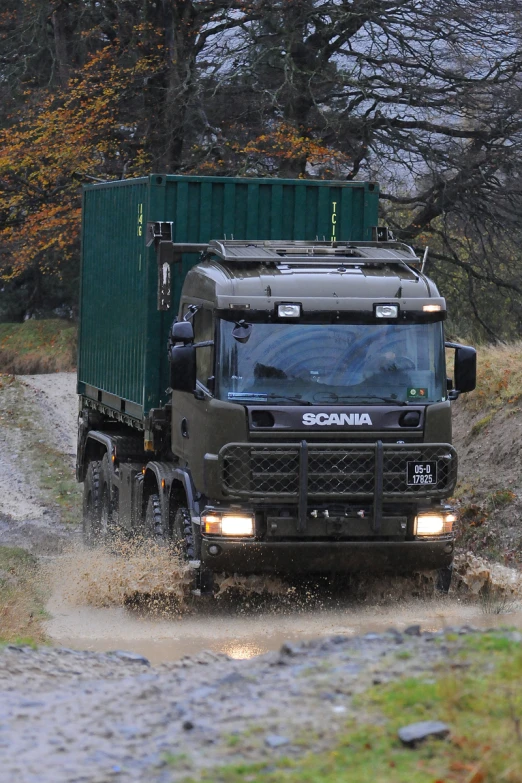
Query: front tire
185	533
188	536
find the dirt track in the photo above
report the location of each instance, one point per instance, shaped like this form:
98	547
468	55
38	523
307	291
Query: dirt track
88	590
71	716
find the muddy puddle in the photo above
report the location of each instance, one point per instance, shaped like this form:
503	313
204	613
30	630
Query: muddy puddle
104	629
140	601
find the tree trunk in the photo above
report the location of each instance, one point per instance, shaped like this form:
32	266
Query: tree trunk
61	31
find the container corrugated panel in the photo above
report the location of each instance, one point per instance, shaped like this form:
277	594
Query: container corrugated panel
122	346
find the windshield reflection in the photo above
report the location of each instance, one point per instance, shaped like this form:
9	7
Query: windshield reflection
332	364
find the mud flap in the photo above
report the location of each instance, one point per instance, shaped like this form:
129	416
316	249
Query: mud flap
444	576
203	579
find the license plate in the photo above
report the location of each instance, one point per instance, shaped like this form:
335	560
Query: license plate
421	473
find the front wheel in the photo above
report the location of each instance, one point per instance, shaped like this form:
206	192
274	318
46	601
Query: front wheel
188	537
184	533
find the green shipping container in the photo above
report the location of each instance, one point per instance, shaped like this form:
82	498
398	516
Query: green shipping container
122	358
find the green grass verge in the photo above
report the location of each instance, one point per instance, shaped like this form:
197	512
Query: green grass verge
477	692
38	346
21	598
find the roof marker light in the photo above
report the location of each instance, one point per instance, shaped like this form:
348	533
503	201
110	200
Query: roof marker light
289	310
386	311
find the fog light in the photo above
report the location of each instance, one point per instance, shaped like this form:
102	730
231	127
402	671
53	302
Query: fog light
211	524
429	525
432	308
449	519
237	526
214	549
289	310
386	311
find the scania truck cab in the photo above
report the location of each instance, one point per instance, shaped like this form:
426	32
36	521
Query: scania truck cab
307	427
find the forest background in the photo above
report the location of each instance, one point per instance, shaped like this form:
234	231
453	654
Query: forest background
424	97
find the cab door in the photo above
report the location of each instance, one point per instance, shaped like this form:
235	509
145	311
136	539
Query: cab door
189	417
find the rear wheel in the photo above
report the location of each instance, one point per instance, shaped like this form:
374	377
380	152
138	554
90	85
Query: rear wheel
154	526
107	510
91	522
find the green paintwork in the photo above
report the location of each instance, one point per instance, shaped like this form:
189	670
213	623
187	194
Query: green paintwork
318	288
437	427
122	344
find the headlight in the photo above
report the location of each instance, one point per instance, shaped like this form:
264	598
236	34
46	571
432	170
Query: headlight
228	524
433	524
237	526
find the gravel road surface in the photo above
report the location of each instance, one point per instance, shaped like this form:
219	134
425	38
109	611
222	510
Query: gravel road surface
77	717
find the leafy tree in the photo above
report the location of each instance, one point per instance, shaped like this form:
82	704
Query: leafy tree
425	97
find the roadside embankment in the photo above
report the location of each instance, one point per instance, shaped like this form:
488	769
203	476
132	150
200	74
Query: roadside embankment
488	438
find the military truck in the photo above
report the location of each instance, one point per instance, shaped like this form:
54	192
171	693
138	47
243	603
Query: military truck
262	378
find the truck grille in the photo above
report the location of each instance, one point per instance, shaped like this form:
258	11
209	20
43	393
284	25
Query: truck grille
334	471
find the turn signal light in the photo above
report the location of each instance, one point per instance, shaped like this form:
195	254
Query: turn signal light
212	524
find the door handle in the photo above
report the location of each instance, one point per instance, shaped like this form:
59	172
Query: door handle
184	428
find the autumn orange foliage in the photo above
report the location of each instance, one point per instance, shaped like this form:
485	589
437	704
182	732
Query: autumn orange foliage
287	142
70	136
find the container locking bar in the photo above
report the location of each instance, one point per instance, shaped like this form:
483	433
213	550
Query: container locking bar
159	234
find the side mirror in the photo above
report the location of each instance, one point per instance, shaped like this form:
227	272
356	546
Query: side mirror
465	371
182	332
183	367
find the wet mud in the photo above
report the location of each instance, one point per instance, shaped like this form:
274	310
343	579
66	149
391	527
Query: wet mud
140	599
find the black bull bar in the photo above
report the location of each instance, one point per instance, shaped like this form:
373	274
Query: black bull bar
303	471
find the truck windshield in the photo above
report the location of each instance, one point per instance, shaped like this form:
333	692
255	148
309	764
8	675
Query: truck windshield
312	364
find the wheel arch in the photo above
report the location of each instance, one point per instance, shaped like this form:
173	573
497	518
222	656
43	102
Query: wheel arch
96	446
169	482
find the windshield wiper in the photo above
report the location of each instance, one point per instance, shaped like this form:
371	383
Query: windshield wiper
297	400
363	397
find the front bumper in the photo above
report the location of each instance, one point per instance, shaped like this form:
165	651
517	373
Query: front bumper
316	557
